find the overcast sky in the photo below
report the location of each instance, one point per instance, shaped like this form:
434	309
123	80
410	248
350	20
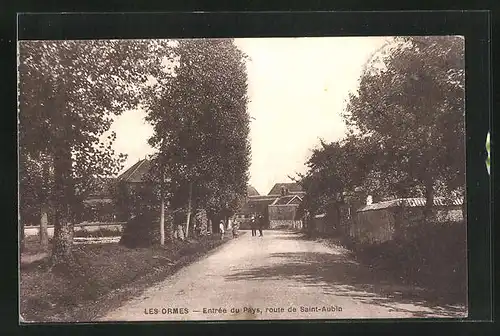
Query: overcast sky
297	89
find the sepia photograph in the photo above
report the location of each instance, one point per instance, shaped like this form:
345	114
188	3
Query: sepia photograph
218	179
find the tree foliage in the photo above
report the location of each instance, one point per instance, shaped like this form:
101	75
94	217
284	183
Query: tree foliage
201	125
68	92
406	125
414	109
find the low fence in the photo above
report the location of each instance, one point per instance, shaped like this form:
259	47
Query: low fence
86	226
95	240
285	224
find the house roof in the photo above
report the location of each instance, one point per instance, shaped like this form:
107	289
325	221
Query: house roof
256	203
287	200
293	188
136	173
411	202
263	197
251	191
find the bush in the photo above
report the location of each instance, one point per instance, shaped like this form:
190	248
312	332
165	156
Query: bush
140	231
433	255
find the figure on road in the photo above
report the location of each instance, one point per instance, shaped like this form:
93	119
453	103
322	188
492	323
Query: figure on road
253	225
260	224
221	229
235	227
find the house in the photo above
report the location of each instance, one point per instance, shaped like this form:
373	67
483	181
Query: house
282	189
283	212
136	173
135	178
278	207
251	191
255	204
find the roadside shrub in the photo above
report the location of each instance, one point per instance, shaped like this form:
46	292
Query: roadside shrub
432	255
140	231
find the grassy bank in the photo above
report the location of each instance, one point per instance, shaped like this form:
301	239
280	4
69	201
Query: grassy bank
105	276
433	258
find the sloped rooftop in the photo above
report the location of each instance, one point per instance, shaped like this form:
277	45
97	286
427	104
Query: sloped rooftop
136	173
292	188
251	191
411	202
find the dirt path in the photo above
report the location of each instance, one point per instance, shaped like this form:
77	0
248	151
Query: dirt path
278	276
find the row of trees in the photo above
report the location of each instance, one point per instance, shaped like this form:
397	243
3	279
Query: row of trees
406	132
194	93
201	128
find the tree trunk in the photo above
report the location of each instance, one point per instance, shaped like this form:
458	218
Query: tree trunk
44	220
21	235
429	200
162	221
189	208
63	229
44	209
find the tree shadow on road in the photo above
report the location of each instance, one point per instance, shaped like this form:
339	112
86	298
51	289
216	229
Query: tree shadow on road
339	275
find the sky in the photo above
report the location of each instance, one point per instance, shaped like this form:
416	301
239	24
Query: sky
297	89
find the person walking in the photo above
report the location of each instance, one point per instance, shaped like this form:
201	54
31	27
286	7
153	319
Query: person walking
261	225
253	225
221	229
235	228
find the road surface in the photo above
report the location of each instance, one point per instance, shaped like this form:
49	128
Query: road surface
278	276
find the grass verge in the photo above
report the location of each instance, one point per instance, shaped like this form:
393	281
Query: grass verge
441	276
106	276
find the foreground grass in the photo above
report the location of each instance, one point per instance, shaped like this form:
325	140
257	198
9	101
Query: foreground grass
104	277
438	282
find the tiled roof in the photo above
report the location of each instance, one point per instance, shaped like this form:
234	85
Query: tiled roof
292	188
285	200
135	174
251	191
255	203
412	202
262	197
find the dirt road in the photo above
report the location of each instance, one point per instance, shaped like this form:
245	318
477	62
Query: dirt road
278	276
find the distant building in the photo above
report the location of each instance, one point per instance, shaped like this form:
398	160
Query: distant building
292	188
278	207
251	191
136	173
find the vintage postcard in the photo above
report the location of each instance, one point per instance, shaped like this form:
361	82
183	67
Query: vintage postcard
242	179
